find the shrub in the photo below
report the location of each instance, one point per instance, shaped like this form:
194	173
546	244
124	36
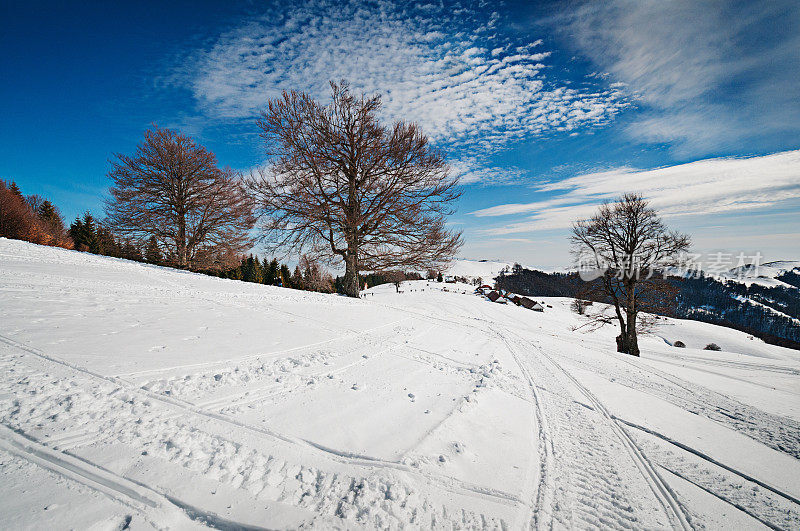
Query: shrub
578	306
712	346
679	344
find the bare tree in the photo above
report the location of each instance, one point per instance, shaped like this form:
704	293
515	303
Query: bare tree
395	277
629	246
315	278
172	190
342	185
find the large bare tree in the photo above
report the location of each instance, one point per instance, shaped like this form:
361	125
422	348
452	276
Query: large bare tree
172	190
629	247
343	185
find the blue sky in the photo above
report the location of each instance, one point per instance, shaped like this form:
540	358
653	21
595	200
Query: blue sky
544	109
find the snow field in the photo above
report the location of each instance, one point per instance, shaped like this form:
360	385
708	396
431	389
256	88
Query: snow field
227	404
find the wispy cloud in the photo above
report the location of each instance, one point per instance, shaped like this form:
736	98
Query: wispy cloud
444	66
704	187
708	75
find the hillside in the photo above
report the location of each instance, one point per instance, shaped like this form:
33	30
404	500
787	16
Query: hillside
472	269
141	397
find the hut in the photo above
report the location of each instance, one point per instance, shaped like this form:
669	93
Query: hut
493	296
525	302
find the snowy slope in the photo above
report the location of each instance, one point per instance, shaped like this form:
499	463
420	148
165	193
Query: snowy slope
485	269
139	396
765	274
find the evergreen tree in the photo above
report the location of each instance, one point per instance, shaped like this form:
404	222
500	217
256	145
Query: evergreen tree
50	215
251	270
152	253
297	278
129	250
90	233
285	276
15	189
76	233
271	272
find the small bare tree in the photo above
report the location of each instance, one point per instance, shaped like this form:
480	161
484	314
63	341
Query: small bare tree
342	185
172	190
629	247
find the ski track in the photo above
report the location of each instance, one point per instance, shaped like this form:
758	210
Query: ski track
591	471
381	498
777	432
583	487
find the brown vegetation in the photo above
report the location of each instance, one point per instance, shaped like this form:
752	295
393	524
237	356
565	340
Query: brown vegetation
629	243
172	190
32	219
342	185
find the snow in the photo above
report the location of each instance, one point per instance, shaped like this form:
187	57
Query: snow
471	269
143	397
765	274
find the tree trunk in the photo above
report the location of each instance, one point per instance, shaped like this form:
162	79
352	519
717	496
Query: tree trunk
622	343
182	259
631	339
350	285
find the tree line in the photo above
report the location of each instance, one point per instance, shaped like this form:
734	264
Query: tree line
37	220
340	188
31	218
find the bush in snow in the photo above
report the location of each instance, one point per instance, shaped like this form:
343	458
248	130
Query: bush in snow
578	306
679	344
712	346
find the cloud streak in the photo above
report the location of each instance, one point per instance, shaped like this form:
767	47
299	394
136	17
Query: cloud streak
707	75
443	66
710	186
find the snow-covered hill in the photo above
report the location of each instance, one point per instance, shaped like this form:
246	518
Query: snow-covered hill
472	269
134	396
765	274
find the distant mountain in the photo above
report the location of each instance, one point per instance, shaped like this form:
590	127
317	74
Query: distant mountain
768	274
763	302
471	269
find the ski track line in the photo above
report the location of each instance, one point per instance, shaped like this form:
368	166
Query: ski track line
668	396
721	498
449	483
130	493
209	364
674	380
723	375
711	460
732	364
665	495
545	488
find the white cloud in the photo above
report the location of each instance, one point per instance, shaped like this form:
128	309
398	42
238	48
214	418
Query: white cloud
709	76
443	67
710	186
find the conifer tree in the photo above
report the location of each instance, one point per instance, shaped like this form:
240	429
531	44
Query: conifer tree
49	214
297	278
285	276
15	189
271	272
251	270
152	253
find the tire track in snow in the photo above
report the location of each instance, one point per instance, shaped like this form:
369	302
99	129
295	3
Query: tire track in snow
665	495
779	433
542	515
